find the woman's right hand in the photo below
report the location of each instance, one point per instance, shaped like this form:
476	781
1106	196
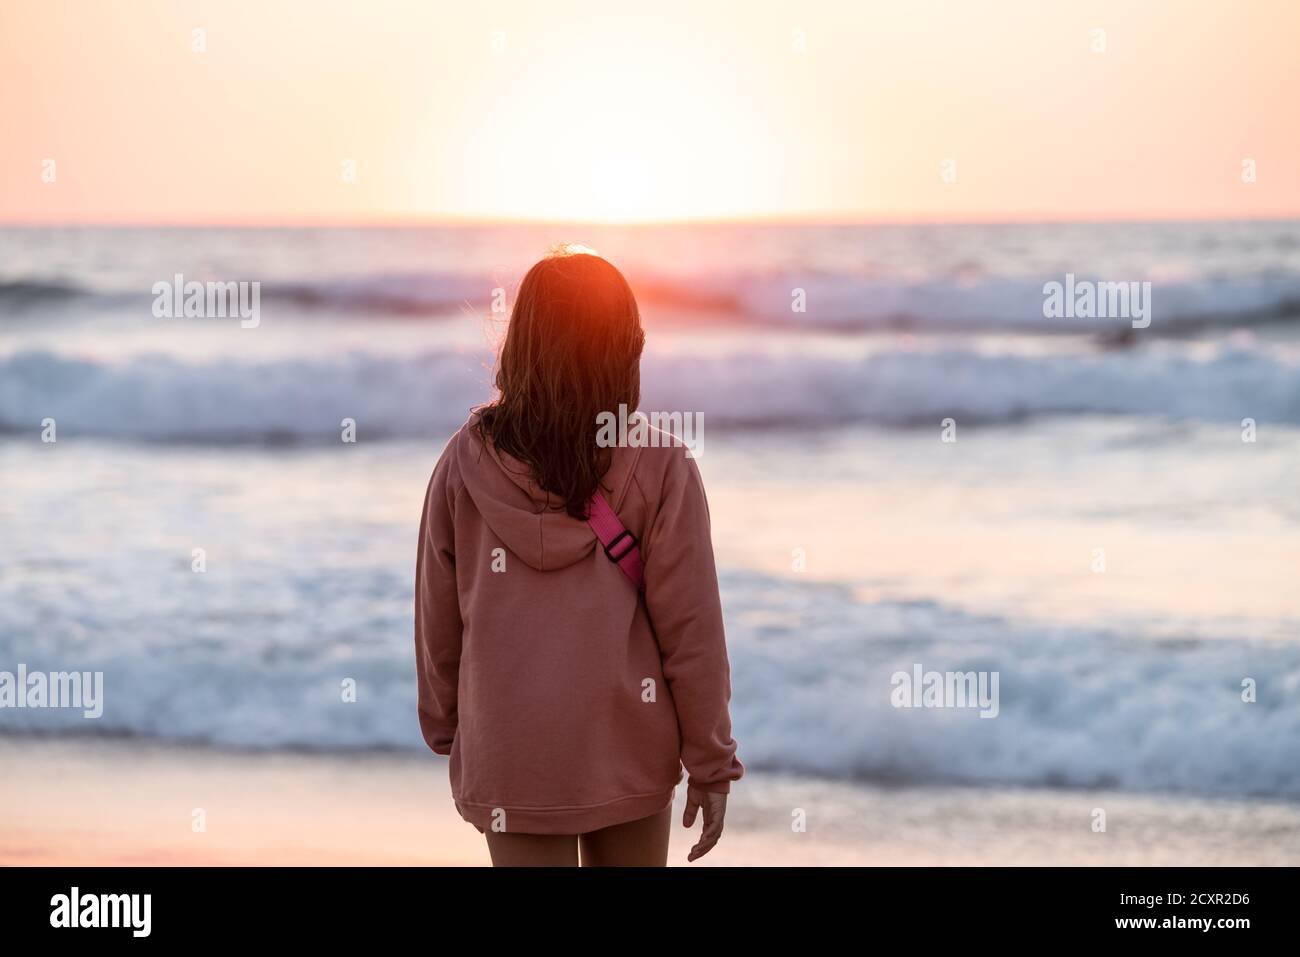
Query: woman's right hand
715	809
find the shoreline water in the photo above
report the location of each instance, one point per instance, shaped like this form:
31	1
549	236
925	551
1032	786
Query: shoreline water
1130	679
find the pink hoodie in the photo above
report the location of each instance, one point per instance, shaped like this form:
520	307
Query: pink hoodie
566	702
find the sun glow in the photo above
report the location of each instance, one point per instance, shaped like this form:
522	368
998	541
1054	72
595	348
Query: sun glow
611	137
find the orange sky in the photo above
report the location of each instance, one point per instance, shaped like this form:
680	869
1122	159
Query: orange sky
519	109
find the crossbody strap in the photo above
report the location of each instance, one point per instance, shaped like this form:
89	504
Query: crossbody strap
621	546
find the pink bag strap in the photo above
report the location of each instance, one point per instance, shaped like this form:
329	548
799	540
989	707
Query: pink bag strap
621	546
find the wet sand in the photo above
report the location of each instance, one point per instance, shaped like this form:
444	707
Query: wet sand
122	802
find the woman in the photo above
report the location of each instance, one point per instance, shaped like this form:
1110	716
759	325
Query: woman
568	698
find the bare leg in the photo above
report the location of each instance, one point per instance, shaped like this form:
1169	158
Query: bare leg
642	843
532	850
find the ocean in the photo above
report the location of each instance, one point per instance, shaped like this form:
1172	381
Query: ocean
916	468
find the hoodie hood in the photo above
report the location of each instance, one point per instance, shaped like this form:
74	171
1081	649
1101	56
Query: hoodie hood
530	521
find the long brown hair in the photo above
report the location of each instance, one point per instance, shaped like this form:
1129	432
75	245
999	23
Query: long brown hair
572	351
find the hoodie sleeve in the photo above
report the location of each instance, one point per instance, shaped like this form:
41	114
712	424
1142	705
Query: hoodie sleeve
681	591
437	615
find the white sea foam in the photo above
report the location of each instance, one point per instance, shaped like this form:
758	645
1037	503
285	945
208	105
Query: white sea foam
154	397
837	301
811	672
1077	707
968	304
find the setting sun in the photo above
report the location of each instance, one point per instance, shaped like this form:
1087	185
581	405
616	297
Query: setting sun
577	127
